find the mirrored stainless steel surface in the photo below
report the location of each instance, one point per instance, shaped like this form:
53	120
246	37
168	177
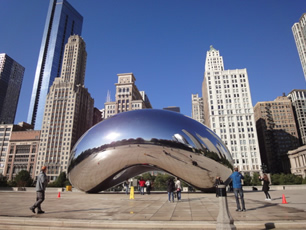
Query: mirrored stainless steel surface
134	142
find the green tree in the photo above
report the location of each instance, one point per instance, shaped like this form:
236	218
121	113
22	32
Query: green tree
160	182
3	181
255	179
247	181
23	179
275	179
61	181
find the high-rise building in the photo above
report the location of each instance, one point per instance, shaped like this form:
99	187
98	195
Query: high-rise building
62	21
277	133
298	99
299	33
68	111
197	112
128	97
11	75
228	111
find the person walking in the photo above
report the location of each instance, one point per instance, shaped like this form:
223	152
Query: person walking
237	186
41	185
265	186
142	183
170	189
178	189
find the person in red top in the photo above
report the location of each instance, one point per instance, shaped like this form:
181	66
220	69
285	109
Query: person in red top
142	183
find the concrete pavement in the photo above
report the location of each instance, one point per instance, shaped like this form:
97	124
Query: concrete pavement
77	210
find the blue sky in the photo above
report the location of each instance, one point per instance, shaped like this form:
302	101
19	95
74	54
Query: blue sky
164	43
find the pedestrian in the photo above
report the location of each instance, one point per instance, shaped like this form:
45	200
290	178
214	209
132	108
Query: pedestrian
148	185
265	186
218	181
178	189
142	183
41	185
237	186
126	186
170	189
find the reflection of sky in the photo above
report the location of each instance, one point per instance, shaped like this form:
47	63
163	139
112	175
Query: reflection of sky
145	124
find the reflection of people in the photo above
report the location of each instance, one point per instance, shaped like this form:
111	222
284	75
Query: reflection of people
265	186
217	182
142	185
237	186
148	184
170	189
178	189
126	186
41	185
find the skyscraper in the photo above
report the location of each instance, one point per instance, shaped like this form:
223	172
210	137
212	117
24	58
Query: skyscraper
128	97
11	75
299	33
62	21
298	99
277	133
228	111
197	112
68	112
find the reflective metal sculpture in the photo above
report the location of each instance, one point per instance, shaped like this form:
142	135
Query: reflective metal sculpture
134	142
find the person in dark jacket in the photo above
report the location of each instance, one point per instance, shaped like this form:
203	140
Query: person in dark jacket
170	189
237	186
41	185
265	186
218	181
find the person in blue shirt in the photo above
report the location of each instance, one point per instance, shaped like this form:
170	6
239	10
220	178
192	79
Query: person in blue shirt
237	187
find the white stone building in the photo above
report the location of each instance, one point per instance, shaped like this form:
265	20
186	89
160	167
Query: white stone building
228	111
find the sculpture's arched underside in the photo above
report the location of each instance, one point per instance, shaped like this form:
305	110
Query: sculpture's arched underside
134	142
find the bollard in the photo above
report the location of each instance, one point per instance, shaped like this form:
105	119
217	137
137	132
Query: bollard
132	193
224	219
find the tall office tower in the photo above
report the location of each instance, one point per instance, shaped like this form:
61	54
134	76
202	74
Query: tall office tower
228	111
299	33
277	133
197	112
128	97
62	21
68	111
298	99
11	75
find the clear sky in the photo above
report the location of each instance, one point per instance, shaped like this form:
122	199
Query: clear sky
164	43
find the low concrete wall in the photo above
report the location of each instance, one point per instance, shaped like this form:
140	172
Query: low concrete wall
277	187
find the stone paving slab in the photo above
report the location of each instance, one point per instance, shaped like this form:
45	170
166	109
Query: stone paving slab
77	210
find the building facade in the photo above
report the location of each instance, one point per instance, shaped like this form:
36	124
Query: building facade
128	97
299	34
197	111
277	133
68	111
298	161
228	111
22	153
62	21
298	99
11	76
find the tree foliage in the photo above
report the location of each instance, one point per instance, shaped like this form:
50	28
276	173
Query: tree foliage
61	181
23	179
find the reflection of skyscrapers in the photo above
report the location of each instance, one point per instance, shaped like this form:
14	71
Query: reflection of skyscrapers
68	112
62	21
299	33
128	97
228	111
11	75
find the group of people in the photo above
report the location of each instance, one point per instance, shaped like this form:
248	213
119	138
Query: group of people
172	188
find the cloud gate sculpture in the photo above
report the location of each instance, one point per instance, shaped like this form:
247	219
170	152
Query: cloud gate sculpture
130	143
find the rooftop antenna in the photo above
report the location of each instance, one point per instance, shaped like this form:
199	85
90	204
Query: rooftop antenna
108	97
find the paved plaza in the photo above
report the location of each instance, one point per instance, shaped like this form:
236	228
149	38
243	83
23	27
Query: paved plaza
77	210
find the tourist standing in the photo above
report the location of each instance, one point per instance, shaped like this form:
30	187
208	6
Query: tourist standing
218	181
142	185
237	186
170	189
265	186
126	186
148	185
178	189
